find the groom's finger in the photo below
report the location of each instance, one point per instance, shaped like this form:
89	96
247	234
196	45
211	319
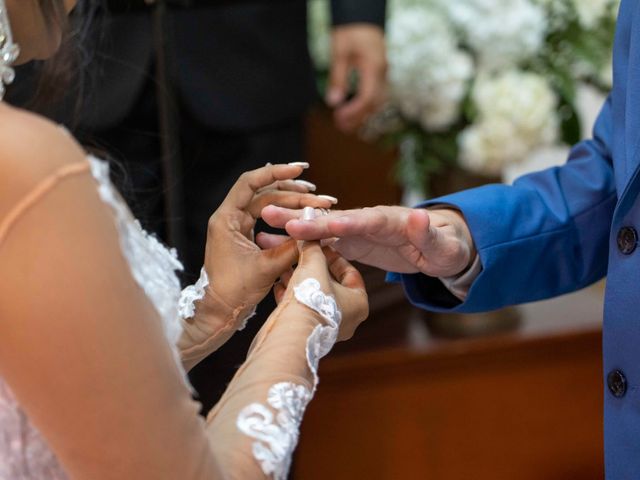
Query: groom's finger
336	223
419	230
348	223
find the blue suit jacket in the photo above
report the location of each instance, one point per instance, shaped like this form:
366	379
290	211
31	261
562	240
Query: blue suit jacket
556	231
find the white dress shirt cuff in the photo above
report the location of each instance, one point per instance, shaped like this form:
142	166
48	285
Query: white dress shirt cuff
460	284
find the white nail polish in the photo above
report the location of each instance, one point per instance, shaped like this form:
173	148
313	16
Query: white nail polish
309	213
304	183
304	165
333	200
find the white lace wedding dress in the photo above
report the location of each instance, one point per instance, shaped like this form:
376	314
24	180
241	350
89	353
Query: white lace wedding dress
269	423
24	455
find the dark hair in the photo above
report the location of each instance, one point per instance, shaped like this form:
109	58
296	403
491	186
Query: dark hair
54	11
67	67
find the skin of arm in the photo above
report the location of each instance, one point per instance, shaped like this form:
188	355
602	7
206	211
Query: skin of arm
83	349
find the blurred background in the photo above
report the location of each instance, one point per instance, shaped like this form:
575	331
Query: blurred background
182	96
479	91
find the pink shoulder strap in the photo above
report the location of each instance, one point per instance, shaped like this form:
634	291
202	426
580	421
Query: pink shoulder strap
39	191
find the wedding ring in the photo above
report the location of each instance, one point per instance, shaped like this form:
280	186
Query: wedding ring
309	213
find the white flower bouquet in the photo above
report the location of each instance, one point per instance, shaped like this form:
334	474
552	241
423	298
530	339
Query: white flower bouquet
482	83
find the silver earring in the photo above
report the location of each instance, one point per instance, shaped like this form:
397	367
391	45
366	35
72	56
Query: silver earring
9	51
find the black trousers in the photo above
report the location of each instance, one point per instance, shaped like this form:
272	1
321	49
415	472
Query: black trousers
212	161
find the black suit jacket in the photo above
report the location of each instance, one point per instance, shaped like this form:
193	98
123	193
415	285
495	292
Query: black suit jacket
238	65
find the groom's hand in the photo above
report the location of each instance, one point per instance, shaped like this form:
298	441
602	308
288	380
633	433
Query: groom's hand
405	240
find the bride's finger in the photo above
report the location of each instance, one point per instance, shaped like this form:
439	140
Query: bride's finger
300	186
242	193
274	261
289	200
281	286
270	240
312	263
278	292
286	278
345	273
277	216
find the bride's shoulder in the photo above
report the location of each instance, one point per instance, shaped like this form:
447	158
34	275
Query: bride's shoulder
31	149
31	144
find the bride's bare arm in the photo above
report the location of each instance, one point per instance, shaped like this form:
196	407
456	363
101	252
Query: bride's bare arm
84	352
83	349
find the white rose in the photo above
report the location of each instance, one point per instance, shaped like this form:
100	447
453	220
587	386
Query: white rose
502	32
319	26
590	11
516	115
428	73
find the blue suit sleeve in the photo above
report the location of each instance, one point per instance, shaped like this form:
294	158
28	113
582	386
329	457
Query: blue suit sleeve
544	236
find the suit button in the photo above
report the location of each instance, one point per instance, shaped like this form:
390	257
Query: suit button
627	240
617	383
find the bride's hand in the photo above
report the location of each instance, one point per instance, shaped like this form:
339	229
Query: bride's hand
337	278
240	273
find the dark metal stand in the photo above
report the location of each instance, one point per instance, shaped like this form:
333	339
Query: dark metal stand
169	128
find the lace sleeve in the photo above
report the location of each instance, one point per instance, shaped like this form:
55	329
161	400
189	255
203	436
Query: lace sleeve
207	323
261	412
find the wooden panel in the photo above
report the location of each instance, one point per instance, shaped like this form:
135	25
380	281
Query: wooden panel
398	403
357	173
523	405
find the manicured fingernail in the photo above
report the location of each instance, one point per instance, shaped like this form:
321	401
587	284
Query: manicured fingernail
333	200
309	213
334	97
304	165
306	184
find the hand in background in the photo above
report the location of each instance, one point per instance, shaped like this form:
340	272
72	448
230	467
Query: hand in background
399	239
337	278
357	47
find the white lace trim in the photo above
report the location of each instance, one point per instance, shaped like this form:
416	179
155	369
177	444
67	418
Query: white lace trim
191	294
277	435
153	265
323	337
243	323
24	454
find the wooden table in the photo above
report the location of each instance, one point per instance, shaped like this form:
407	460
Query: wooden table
398	403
